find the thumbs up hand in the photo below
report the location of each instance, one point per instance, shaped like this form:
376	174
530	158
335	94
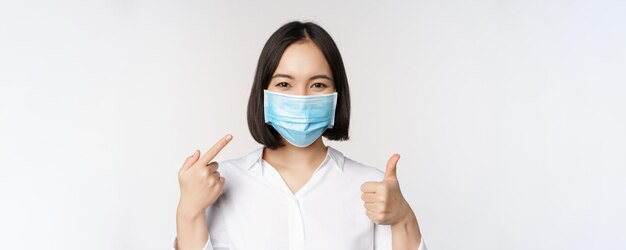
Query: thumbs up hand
383	200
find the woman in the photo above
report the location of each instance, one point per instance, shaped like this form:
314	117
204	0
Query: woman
294	192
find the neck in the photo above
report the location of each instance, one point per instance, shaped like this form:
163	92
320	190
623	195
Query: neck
292	157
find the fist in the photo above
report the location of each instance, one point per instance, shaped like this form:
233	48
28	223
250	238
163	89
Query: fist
383	201
200	182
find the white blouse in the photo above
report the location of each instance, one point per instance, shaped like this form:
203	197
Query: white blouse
257	210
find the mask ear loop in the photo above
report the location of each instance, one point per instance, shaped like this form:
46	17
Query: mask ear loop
332	122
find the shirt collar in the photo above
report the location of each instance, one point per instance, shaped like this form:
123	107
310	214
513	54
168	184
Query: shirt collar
336	157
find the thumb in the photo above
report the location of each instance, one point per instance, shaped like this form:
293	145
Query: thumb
190	161
390	171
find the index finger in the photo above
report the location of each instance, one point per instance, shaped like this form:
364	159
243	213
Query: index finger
209	155
369	187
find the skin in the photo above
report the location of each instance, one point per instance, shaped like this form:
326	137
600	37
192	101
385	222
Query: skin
302	70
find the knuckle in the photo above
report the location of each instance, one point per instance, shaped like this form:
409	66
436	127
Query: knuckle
213	166
211	182
382	208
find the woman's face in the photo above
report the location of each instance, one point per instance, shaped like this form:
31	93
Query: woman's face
302	70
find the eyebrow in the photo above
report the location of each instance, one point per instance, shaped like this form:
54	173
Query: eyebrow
312	77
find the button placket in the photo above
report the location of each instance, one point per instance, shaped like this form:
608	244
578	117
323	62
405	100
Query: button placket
294	214
294	211
296	225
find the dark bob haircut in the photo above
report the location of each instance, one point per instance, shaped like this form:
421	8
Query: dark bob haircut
268	62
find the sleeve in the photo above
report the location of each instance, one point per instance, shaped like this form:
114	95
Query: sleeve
207	246
422	244
382	238
218	237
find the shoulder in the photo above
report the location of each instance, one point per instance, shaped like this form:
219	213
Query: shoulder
362	170
243	161
356	169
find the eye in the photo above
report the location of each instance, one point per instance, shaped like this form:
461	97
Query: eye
319	85
282	84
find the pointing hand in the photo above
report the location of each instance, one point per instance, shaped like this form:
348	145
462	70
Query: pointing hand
200	182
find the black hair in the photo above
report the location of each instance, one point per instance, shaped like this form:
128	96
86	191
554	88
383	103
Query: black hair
268	62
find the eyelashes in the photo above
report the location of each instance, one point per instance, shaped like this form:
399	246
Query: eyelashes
314	85
319	85
282	84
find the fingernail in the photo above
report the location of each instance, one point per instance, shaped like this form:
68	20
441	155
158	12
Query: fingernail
229	136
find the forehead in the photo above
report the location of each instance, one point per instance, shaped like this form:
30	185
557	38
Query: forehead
303	58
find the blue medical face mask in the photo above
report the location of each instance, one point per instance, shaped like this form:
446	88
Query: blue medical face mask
300	119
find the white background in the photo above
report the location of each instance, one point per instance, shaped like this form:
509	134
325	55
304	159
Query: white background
510	116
